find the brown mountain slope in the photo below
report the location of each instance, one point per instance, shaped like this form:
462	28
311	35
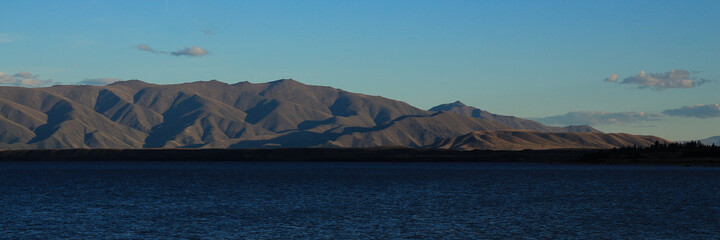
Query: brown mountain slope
20	114
59	122
279	105
213	114
131	114
513	122
117	109
193	121
13	133
413	131
524	139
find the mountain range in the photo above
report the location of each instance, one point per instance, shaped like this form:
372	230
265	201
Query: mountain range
283	113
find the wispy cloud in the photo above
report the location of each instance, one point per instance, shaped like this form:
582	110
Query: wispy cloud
8	37
595	118
98	81
194	51
143	47
697	111
24	79
208	32
676	78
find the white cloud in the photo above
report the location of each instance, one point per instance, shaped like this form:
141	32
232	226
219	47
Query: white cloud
194	51
676	78
697	111
98	81
143	47
595	118
24	79
612	78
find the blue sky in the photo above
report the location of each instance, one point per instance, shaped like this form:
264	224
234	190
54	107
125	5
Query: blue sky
548	60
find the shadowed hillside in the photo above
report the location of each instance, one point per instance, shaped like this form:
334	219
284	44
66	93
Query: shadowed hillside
213	114
523	139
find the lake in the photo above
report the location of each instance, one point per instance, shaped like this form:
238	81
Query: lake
281	200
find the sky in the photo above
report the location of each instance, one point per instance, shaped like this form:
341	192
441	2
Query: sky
642	67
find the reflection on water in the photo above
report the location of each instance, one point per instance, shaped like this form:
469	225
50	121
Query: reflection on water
356	200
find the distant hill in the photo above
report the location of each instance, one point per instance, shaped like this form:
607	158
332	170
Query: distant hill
524	139
513	122
213	114
711	140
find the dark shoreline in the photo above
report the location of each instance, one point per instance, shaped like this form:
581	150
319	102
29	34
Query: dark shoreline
574	156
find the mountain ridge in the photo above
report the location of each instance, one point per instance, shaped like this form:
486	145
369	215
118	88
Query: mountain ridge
536	140
214	114
513	122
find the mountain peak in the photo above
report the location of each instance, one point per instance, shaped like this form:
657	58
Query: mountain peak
213	81
448	106
132	82
285	81
513	122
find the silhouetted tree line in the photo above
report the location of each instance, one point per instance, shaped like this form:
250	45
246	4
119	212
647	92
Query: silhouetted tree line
659	151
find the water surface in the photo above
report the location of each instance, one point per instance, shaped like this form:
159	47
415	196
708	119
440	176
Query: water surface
356	200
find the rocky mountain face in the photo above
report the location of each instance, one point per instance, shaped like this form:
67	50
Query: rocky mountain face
212	114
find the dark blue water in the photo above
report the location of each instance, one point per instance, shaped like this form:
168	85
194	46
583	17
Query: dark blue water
356	200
